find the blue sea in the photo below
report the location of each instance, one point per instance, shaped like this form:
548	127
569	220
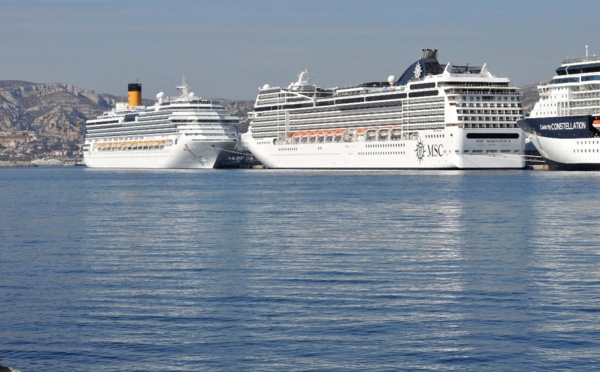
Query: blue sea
265	270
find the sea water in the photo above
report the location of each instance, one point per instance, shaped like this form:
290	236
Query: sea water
225	270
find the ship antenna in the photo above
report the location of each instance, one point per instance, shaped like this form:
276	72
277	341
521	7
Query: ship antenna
183	87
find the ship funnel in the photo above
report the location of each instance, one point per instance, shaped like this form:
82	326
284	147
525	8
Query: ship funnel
429	53
134	94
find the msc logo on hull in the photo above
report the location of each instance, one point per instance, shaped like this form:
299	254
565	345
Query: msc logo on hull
428	151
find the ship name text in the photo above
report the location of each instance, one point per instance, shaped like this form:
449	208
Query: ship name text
435	150
564	126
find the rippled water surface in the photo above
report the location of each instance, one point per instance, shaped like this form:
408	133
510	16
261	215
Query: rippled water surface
281	270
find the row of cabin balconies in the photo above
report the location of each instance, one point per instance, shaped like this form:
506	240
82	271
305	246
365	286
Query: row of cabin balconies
489	125
416	101
511	92
434	120
489	105
422	107
491	112
334	116
424	113
324	125
298	127
266	115
491	118
367	114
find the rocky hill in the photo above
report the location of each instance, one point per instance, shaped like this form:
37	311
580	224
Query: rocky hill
47	120
530	96
50	110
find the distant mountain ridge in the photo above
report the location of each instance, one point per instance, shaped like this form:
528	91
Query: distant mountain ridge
53	110
531	95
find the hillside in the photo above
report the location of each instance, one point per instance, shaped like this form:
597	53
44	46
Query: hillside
530	96
49	110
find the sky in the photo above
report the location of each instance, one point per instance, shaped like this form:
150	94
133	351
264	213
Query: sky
228	49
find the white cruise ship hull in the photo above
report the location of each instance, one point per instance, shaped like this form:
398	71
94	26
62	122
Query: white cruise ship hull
569	154
437	150
183	155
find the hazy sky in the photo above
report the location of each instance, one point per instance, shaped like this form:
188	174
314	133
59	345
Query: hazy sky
227	49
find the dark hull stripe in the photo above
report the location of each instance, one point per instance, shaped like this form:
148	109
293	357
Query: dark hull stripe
559	127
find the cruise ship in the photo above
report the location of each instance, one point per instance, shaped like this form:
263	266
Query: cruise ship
564	124
432	117
180	132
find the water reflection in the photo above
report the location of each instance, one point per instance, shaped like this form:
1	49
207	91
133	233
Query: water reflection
308	270
564	270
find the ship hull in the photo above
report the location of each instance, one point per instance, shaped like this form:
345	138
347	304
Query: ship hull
567	142
445	149
181	155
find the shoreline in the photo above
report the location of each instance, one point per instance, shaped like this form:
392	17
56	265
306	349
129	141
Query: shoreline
30	163
15	164
27	164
